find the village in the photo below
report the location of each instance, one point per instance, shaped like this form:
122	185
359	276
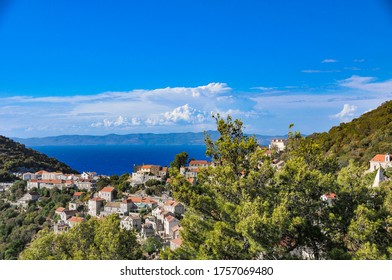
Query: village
150	216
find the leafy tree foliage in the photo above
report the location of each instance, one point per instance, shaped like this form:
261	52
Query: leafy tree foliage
16	157
243	208
92	240
179	160
18	227
361	138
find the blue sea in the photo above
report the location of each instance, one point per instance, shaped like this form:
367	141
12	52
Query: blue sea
110	160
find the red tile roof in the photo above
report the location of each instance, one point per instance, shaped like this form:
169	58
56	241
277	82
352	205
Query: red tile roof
136	199
148	166
177	241
60	209
169	218
378	157
76	219
198	162
107	189
330	195
171	203
97	199
77	193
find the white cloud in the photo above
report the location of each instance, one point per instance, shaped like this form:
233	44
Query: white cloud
264	88
329	60
188	108
311	71
346	114
367	84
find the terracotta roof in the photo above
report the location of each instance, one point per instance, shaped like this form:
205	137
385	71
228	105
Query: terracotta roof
177	241
198	162
77	193
169	218
136	199
40	172
107	189
191	180
148	166
60	209
97	199
76	219
171	203
330	195
378	157
164	168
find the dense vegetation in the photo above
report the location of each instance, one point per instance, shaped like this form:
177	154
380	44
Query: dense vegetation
93	240
15	157
245	209
19	226
361	138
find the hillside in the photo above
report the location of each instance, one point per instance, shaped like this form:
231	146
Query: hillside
361	138
187	138
16	157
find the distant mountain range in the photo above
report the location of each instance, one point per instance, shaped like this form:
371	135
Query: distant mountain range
188	138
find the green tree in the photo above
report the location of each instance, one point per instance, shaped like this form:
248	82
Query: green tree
94	240
179	161
152	245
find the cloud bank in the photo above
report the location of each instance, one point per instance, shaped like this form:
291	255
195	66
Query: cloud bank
264	110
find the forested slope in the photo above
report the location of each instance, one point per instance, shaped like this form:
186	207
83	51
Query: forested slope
361	138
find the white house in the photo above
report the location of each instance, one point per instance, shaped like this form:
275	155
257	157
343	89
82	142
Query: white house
279	144
380	160
329	198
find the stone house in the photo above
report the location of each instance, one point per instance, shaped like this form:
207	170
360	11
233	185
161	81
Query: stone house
174	207
95	206
112	208
107	193
74	221
147	230
30	196
66	214
175	243
131	222
169	223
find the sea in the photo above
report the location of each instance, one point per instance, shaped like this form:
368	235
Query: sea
119	159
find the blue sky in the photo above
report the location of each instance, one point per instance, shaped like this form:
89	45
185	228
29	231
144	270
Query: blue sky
99	67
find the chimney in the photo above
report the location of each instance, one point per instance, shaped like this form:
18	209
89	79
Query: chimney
387	158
